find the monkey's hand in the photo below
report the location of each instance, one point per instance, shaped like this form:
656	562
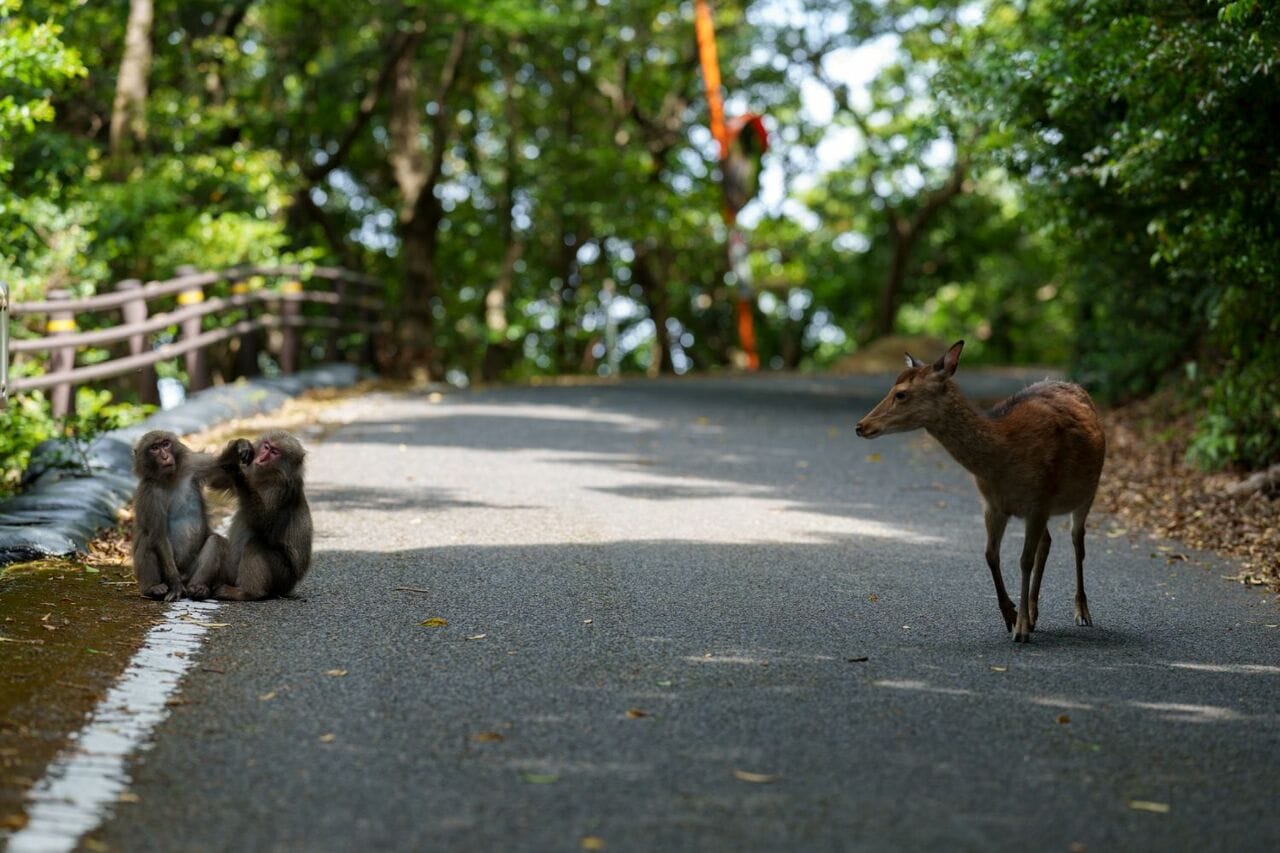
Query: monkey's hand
238	453
175	592
198	591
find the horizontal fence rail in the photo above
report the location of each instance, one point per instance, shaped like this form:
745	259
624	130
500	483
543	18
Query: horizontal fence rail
352	304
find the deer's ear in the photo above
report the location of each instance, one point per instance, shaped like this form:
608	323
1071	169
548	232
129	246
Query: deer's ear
912	361
950	360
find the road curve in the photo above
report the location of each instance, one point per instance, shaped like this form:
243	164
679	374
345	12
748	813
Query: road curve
702	615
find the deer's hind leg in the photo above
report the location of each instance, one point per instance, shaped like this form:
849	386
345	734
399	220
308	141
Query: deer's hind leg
1042	554
1077	539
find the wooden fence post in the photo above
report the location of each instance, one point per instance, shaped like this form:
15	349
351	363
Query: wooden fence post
61	359
367	315
247	344
196	360
134	312
340	311
290	334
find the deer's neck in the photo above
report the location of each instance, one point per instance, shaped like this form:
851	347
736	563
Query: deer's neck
968	435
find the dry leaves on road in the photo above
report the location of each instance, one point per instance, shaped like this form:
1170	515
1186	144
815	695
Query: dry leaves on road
1147	484
755	778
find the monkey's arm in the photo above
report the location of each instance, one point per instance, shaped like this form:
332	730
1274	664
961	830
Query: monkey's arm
209	470
155	536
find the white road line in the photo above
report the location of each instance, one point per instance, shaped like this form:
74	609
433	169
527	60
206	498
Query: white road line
86	780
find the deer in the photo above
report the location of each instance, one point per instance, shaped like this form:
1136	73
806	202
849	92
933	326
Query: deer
1035	455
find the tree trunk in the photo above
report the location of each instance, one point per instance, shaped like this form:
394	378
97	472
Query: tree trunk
903	239
420	210
904	233
128	110
498	353
653	285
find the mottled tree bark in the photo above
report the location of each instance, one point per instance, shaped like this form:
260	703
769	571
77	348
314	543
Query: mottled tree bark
417	176
128	110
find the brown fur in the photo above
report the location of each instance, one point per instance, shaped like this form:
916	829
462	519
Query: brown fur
270	539
171	537
1035	455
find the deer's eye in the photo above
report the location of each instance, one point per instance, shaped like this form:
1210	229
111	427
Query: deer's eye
901	395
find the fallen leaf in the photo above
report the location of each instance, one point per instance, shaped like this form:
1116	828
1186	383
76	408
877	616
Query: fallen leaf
873	598
476	637
587	621
411	589
755	778
862	659
176	701
128	797
328	738
664	683
435	622
267	697
832	432
1148	806
702	421
592	842
636	713
48	627
999	669
13	821
336	673
539	778
1063	719
873	457
45	618
488	737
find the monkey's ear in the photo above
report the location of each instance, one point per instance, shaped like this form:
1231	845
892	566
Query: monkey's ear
912	361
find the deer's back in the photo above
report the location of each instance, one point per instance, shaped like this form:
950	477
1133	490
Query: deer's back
1055	446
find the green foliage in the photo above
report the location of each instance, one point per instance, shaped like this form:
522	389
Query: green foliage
1119	164
95	414
1146	138
24	423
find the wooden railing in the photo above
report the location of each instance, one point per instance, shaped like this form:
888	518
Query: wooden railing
261	297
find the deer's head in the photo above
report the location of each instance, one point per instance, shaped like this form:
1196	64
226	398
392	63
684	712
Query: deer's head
917	398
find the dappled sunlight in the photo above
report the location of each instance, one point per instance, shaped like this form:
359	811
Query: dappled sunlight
1176	712
1234	668
765	657
922	686
1060	702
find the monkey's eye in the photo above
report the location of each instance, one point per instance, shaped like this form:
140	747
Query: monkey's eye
901	395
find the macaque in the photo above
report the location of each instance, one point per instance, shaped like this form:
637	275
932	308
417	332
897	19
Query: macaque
270	540
171	537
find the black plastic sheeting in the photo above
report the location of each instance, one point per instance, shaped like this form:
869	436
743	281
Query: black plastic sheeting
59	511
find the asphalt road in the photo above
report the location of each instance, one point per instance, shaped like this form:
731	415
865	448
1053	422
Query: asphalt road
659	599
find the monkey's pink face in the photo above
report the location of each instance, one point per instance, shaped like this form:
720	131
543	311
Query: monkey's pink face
162	453
267	453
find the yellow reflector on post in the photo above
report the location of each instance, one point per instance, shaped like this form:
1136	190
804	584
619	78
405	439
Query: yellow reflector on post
191	297
54	327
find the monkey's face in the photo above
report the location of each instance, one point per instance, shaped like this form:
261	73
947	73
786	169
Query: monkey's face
278	450
158	453
266	453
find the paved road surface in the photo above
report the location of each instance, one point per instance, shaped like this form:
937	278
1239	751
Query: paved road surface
718	555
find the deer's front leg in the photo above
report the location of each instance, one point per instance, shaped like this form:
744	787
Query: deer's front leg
996	523
1036	527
